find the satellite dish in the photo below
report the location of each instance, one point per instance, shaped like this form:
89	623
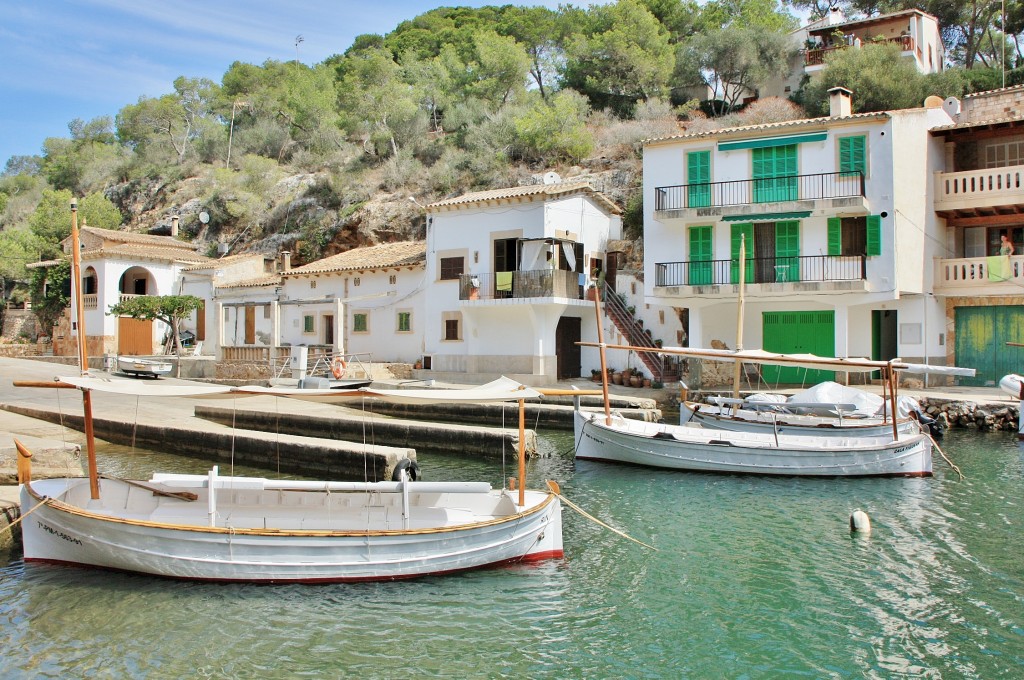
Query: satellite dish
204	217
552	178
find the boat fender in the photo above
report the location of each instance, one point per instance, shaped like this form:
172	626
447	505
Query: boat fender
411	467
338	367
860	522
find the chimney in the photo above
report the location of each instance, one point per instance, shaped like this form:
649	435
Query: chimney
174	226
840	103
286	261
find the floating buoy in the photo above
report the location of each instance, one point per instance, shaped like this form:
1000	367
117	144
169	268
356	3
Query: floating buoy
860	522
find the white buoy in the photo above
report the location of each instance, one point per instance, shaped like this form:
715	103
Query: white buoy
860	522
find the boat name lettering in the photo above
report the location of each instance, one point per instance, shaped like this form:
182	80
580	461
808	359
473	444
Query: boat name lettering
60	534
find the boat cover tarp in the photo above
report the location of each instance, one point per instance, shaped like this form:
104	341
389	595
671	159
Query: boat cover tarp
829	393
847	364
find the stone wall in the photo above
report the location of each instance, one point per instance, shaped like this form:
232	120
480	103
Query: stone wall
995	105
968	415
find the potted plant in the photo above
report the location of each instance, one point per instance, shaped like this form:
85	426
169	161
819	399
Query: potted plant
595	375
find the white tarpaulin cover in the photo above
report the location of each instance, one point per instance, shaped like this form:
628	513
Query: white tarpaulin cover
828	393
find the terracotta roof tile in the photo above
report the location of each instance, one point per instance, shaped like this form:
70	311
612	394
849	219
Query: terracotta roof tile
540	190
129	251
220	261
386	255
767	127
117	236
257	281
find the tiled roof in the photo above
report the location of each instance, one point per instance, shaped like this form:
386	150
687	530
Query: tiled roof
768	127
541	190
878	19
129	251
266	280
220	261
117	236
978	123
386	255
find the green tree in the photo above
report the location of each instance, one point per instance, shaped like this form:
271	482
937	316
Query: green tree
555	130
735	61
170	309
498	70
50	223
540	32
50	292
623	57
175	120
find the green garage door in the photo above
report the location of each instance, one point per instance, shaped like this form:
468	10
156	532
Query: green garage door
981	337
799	333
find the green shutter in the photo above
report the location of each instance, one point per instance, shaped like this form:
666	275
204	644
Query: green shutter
787	251
700	270
698	178
745	229
774	174
835	236
874	236
852	156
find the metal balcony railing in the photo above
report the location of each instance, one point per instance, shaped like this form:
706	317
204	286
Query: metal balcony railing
805	268
817	57
750	191
530	284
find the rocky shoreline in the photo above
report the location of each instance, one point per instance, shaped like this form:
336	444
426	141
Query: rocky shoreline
956	414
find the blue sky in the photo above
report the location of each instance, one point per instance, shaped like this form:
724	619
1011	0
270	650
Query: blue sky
67	59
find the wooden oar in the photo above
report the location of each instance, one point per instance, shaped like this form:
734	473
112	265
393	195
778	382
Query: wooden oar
180	495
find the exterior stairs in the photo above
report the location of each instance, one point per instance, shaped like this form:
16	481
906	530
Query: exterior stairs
661	368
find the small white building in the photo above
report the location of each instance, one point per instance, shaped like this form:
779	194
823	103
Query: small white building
507	272
836	221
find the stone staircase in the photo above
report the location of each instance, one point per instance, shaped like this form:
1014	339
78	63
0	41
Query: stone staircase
661	368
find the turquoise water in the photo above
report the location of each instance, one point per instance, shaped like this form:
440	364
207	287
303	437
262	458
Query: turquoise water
753	577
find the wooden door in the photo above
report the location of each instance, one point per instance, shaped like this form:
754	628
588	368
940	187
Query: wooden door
250	324
134	336
567	352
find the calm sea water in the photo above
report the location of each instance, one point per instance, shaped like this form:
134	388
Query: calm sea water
753	577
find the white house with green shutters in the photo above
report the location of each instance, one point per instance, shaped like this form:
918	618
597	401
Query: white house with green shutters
835	218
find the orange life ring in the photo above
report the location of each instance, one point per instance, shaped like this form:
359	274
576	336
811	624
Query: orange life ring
338	367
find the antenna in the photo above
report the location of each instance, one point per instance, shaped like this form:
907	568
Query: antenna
298	41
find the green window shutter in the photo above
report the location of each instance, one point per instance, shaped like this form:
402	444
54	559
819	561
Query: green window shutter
787	251
852	157
700	267
404	321
745	229
835	236
774	173
307	324
698	176
874	236
359	323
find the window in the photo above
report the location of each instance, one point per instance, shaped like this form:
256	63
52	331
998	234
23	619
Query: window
774	173
452	268
360	322
266	311
312	284
855	235
356	281
1003	154
451	329
404	322
393	279
852	155
700	266
308	324
698	176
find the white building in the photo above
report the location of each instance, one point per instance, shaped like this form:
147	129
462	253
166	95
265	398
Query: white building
507	272
836	219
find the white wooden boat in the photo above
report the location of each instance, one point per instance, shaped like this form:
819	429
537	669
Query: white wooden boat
215	528
1011	384
687	447
144	366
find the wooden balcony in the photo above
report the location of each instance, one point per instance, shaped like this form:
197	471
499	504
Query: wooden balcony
980	193
817	57
973	276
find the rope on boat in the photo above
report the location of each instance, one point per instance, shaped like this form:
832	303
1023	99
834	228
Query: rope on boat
945	457
17	521
599	522
554	489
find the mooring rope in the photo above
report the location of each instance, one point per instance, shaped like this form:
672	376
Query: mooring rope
599	522
45	501
946	458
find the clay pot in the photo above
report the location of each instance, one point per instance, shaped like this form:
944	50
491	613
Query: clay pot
617	378
635	381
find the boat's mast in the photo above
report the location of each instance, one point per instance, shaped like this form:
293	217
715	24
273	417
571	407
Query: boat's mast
83	357
737	370
522	452
604	362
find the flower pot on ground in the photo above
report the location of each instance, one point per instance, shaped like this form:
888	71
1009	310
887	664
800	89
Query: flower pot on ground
634	381
617	378
647	382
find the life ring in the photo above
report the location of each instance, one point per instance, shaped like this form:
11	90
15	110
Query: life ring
411	467
338	367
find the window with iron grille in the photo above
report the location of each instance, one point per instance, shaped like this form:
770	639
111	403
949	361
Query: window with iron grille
452	267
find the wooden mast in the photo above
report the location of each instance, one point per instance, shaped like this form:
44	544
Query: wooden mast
737	370
604	363
83	357
522	452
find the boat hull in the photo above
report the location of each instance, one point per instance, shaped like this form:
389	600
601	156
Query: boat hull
170	540
137	366
747	420
700	449
1011	385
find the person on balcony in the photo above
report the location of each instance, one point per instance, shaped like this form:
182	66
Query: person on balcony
1005	245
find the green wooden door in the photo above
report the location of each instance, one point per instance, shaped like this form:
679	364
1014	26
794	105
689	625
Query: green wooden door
700	272
746	230
787	251
981	337
798	333
774	174
698	178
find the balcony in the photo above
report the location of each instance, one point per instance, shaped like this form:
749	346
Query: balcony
790	193
521	285
797	269
980	193
995	275
817	57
